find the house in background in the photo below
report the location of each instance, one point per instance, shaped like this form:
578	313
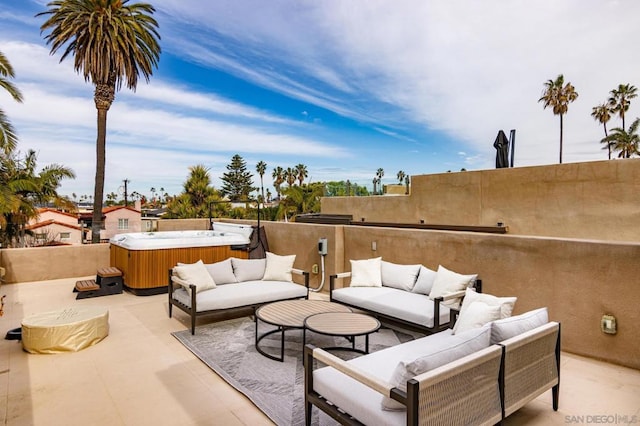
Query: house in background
120	220
55	227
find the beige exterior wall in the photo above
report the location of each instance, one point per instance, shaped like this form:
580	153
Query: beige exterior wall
49	263
595	200
111	223
183	224
54	231
578	280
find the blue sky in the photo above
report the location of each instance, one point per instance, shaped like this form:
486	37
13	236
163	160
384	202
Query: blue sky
344	87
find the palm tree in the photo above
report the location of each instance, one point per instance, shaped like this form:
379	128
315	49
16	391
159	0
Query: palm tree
626	142
278	179
602	114
112	42
375	182
406	183
379	175
300	200
261	168
558	96
197	196
621	99
8	137
401	176
22	190
290	176
301	170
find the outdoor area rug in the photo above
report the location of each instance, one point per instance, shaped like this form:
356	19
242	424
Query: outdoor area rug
276	388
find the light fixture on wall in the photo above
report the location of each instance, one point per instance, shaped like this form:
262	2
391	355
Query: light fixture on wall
608	324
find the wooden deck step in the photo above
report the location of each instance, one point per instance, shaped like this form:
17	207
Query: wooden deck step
87	285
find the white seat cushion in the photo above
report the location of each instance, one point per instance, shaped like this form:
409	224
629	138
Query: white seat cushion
407	306
242	294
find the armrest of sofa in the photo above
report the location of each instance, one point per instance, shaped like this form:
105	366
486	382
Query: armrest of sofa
380	386
333	278
305	274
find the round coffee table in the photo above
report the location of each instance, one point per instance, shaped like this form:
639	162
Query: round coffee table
290	314
342	324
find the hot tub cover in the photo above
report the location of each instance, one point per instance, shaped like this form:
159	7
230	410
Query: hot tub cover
67	330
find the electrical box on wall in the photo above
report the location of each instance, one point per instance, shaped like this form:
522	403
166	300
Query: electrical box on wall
608	324
322	246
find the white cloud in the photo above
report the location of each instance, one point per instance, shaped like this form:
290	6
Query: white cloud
464	68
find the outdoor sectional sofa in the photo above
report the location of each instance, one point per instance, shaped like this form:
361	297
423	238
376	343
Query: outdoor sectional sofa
478	376
411	296
234	284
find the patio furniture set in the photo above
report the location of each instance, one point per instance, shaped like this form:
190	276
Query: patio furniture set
477	364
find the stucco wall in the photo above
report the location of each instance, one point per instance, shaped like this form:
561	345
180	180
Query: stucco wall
594	200
578	280
48	263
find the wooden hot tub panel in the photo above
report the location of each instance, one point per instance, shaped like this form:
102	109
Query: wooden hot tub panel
145	271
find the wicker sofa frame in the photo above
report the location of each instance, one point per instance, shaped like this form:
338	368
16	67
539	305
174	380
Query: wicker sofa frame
192	310
391	320
465	391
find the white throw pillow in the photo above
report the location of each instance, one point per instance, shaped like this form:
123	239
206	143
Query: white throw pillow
366	273
248	269
507	328
402	277
279	267
504	303
196	274
222	272
476	315
447	282
425	280
441	353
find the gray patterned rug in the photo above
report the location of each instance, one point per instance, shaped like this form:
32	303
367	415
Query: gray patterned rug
276	388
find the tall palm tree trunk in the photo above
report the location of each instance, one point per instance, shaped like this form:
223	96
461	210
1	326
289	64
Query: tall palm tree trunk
560	138
606	135
103	97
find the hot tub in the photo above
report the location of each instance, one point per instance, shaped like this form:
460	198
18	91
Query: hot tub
146	257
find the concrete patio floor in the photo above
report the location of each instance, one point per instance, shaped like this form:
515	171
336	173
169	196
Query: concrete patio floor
141	375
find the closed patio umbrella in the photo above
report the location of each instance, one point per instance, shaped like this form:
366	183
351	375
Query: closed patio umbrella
502	150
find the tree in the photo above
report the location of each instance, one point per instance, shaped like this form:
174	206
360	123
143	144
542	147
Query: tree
300	200
602	114
301	171
401	176
558	96
237	182
290	176
8	136
278	179
626	142
112	42
406	183
22	189
261	168
197	196
379	175
621	99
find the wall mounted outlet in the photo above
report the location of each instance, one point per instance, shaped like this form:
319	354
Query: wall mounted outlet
374	245
314	268
608	324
